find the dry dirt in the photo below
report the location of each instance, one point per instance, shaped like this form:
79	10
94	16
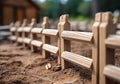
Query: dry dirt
20	66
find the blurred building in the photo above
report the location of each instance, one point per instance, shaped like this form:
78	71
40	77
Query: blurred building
13	10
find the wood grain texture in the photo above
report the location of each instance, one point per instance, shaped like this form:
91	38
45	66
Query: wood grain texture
50	48
112	71
77	59
80	36
36	43
113	41
50	32
36	30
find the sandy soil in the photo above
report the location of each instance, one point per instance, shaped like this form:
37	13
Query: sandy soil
20	66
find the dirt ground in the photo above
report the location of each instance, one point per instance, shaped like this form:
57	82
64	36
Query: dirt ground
21	66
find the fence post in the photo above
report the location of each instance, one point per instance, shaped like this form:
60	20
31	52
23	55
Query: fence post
59	40
33	35
95	48
45	39
17	25
24	24
106	54
65	44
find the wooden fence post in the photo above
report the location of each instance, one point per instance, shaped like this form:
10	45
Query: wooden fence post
65	44
95	48
45	39
17	25
59	40
24	25
106	54
33	35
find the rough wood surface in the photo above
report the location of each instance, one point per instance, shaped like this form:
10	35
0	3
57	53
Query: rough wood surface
80	36
27	29
20	29
13	38
118	32
36	43
112	72
12	29
77	59
50	48
20	39
36	30
27	40
50	32
113	41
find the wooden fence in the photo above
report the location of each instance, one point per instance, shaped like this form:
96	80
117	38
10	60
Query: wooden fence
103	39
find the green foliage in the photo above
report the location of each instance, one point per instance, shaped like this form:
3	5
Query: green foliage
109	5
71	7
85	8
81	18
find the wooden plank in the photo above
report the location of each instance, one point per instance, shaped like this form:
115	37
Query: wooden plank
95	49
13	29
118	32
52	32
80	36
106	55
77	59
27	29
113	41
65	44
20	29
36	43
27	40
45	39
36	30
13	38
50	48
118	26
112	72
20	39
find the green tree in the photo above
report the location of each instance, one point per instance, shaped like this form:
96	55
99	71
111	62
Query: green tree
85	8
72	7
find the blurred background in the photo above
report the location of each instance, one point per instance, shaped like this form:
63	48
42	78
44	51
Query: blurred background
81	12
13	10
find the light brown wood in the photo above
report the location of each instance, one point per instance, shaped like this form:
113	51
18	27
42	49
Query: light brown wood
77	59
20	32
50	32
65	44
118	32
13	29
106	55
36	43
113	41
36	30
118	26
59	40
27	33
34	35
20	29
50	48
27	40
13	38
27	29
95	49
45	39
80	36
112	71
20	39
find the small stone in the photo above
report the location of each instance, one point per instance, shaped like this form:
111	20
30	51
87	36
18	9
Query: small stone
48	66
